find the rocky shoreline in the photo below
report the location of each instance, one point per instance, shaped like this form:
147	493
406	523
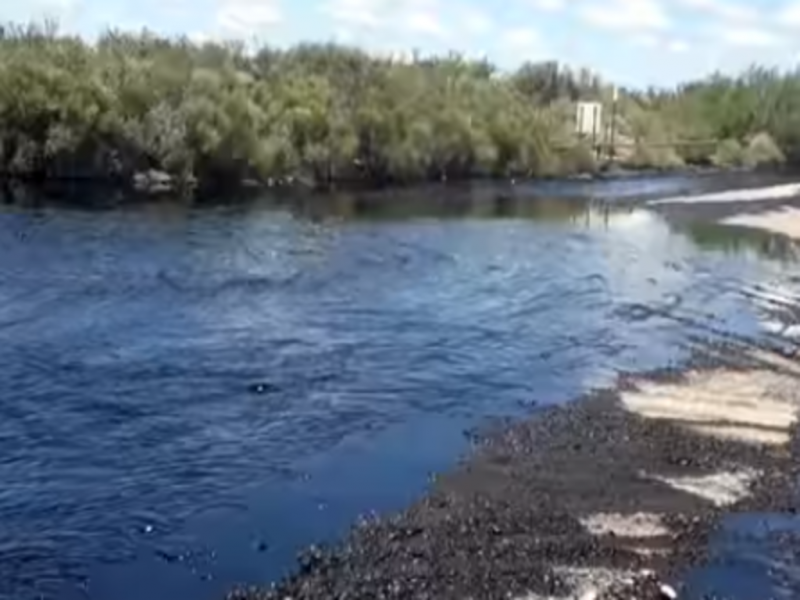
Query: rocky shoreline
613	495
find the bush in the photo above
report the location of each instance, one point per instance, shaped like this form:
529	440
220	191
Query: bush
657	157
323	113
578	159
729	153
762	150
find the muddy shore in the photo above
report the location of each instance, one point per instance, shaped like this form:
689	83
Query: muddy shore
613	495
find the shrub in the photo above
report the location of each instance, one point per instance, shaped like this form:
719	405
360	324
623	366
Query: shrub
762	150
729	153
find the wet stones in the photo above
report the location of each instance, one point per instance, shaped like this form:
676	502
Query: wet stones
643	586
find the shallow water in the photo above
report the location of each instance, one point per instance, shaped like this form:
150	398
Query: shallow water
753	556
193	394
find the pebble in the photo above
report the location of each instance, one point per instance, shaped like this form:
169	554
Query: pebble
668	592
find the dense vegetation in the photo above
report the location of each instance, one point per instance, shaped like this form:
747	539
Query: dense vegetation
323	113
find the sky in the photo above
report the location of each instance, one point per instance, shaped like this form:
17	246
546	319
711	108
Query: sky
633	42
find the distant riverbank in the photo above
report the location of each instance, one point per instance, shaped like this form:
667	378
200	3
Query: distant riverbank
170	115
157	183
606	184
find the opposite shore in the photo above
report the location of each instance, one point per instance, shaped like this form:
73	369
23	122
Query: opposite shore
167	114
612	496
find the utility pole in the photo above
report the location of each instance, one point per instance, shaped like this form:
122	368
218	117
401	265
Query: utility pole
614	99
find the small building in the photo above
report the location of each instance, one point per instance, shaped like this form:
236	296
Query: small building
588	118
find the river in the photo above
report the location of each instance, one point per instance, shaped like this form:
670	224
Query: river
191	394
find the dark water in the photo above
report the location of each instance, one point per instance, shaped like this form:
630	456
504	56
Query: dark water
753	556
192	394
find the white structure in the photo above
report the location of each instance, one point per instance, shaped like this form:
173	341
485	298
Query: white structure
588	119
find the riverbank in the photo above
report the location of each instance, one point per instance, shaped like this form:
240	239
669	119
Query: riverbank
165	113
155	183
580	501
602	186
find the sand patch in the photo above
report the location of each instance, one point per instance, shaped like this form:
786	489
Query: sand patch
785	221
774	361
723	488
586	583
774	192
638	525
745	406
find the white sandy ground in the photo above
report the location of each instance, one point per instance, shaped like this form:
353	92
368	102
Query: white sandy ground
774	192
756	406
785	221
587	583
638	525
743	406
723	488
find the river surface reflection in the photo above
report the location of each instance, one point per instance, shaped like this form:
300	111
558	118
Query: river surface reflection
194	393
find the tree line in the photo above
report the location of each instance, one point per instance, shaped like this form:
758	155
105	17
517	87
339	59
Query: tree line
219	114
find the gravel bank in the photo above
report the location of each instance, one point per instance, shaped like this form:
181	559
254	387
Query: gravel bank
610	496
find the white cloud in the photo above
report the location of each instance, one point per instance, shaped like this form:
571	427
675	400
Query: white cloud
790	14
626	15
646	40
475	22
654	41
549	5
678	46
425	22
247	17
415	16
522	38
750	37
58	10
727	10
57	5
363	13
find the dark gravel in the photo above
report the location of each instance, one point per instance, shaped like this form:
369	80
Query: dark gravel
503	522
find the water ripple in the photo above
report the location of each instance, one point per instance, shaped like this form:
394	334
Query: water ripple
173	385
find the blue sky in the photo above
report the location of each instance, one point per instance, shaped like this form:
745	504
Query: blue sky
637	42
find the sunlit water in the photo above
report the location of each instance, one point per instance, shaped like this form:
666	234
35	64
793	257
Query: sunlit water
190	395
